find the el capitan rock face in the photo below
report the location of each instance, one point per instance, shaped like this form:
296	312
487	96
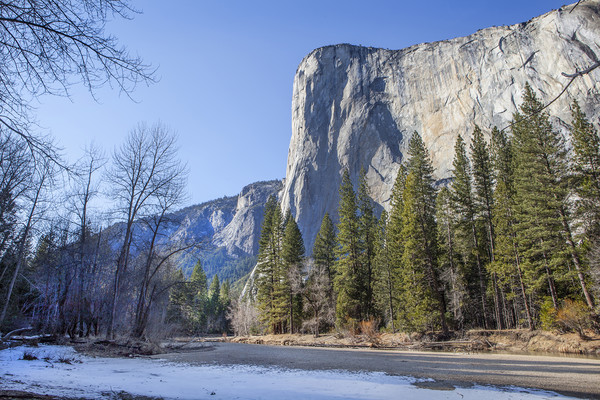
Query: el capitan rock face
355	106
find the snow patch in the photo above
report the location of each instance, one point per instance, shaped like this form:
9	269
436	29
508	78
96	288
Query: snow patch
99	377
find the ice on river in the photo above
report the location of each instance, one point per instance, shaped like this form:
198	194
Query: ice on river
100	377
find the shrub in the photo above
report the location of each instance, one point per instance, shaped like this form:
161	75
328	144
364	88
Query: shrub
575	316
28	356
370	329
548	315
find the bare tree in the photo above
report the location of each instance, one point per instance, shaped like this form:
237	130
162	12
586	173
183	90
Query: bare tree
48	45
85	189
244	317
15	172
317	296
35	192
145	174
155	259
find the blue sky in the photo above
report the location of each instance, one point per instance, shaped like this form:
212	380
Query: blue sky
226	70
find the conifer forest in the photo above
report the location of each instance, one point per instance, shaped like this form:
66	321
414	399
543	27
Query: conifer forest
512	240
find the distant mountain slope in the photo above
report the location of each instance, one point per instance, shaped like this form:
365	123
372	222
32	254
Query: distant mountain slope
226	229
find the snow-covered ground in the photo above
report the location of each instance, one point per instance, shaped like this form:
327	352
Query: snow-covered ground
100	377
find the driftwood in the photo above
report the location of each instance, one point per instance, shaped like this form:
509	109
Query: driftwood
13	333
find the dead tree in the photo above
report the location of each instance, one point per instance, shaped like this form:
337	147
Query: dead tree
86	188
36	193
145	169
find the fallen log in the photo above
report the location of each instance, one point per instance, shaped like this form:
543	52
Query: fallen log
13	333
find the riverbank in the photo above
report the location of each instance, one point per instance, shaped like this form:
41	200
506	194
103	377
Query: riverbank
511	341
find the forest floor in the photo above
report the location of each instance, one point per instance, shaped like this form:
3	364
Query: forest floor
505	341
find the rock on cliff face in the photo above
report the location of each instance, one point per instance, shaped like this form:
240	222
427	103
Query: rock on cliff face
355	106
227	229
242	234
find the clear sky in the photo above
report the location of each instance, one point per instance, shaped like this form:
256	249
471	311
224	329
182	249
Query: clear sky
226	71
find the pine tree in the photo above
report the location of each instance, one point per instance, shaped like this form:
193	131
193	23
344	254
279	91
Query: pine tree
271	297
196	310
292	257
421	292
178	299
214	291
214	308
367	223
225	301
225	293
483	179
385	279
586	171
394	239
541	190
467	232
483	196
507	258
346	282
324	247
451	266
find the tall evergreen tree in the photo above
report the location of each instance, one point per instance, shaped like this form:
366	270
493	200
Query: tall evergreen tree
542	191
586	173
225	293
421	292
324	247
214	309
272	299
451	266
385	279
198	293
214	294
347	283
483	179
467	230
483	196
197	279
367	223
507	258
292	251
394	240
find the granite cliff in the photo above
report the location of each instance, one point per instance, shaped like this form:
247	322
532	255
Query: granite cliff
355	106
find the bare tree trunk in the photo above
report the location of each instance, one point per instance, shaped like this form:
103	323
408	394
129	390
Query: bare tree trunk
525	303
22	248
480	274
575	258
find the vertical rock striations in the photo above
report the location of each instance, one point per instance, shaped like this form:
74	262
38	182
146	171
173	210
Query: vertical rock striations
355	106
242	233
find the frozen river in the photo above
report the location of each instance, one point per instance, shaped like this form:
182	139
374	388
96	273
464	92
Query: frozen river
232	371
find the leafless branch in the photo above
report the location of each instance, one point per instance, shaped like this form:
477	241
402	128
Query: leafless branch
573	76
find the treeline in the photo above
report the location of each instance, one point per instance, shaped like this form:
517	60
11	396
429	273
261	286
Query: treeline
94	258
198	308
513	241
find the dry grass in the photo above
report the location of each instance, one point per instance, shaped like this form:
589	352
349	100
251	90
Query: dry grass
517	340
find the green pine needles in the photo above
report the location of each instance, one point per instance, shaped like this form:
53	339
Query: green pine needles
510	240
